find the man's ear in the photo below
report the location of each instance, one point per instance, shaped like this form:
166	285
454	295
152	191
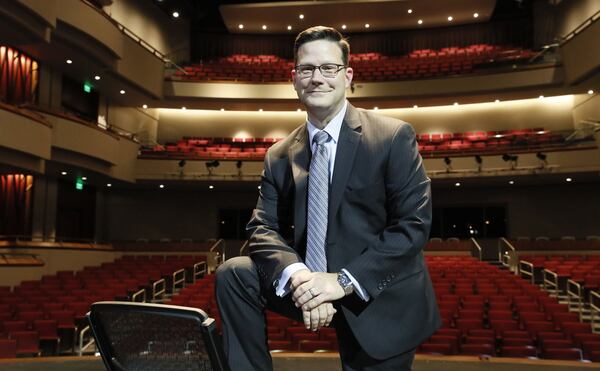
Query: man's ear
348	74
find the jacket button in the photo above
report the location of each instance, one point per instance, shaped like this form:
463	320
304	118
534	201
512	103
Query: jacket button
380	286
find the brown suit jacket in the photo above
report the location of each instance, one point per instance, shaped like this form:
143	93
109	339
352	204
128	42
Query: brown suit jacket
378	223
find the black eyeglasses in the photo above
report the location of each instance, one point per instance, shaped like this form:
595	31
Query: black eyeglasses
328	70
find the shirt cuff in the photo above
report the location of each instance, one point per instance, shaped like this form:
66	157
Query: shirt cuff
283	283
357	287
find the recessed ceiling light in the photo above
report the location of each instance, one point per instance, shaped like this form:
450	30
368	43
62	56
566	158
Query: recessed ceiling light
450	18
96	77
409	11
289	27
175	14
260	110
415	106
569	180
343	27
211	187
590	92
299	110
367	25
497	101
222	109
161	186
145	106
375	108
63	173
264	26
541	97
456	103
69	61
108	185
301	16
475	15
122	91
457	184
84	178
258	187
241	26
420	21
511	182
183	108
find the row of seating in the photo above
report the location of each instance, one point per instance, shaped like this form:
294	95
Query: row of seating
485	311
53	308
429	144
367	66
489	311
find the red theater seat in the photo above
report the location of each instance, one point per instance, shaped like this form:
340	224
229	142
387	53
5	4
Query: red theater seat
518	351
8	348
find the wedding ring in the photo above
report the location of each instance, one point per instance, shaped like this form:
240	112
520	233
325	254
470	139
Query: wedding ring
311	292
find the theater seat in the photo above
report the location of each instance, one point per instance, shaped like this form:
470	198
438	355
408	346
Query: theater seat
8	348
518	351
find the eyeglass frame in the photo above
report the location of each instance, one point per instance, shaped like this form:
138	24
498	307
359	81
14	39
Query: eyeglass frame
339	68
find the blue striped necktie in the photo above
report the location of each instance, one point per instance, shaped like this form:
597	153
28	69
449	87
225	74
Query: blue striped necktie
318	205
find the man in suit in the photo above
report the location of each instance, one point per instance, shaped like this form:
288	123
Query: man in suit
337	235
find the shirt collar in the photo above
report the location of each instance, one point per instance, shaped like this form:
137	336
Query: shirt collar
333	127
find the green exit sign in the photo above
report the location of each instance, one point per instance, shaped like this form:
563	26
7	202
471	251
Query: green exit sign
87	88
79	184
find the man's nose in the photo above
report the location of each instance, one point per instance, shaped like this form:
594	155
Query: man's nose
317	77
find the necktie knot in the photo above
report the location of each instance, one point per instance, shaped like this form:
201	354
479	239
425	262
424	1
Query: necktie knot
321	137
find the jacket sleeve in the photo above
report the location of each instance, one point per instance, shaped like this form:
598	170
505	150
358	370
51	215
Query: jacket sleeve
395	253
268	249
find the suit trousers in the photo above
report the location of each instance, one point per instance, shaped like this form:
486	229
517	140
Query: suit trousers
242	302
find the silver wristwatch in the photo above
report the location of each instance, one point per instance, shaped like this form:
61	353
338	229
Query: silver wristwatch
346	283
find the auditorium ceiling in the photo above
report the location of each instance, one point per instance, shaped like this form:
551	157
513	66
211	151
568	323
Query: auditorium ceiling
285	16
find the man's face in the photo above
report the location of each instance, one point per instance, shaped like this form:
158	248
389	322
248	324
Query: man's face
317	92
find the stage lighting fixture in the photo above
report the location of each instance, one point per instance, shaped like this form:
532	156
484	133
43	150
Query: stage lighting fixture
448	163
510	158
214	163
479	161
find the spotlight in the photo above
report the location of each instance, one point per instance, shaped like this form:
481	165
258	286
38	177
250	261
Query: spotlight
448	163
510	158
542	157
211	165
479	161
214	163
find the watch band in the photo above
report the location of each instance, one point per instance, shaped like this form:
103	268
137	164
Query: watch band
346	283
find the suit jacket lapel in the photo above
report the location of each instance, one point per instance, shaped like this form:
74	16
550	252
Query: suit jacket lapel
348	141
299	154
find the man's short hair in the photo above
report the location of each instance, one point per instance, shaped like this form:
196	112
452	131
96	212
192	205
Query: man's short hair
322	33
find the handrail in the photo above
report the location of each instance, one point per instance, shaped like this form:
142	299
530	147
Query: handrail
476	246
550	284
508	257
585	24
595	307
244	247
156	292
178	281
577	294
220	242
81	336
529	272
199	272
142	293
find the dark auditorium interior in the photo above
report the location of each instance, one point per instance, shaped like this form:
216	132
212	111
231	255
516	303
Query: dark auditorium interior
133	134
